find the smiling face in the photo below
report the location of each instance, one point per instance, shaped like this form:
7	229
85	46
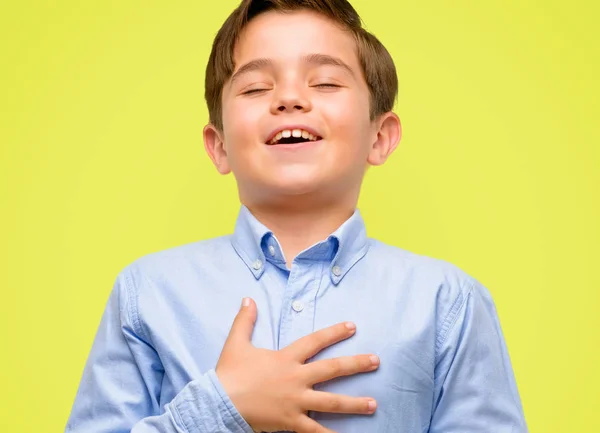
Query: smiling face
296	112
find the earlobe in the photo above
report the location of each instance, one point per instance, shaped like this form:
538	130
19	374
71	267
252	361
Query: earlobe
388	137
215	147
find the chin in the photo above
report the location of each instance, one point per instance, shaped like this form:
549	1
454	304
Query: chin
296	188
294	185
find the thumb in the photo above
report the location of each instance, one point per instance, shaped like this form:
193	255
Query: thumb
243	324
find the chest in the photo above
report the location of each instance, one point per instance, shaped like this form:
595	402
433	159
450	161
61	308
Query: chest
391	323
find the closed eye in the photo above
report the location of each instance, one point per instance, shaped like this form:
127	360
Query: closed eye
322	86
327	85
252	91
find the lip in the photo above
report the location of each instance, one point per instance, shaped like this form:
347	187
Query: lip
292	127
295	147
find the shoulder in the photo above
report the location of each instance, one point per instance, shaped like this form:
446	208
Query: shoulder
176	261
166	277
432	280
414	265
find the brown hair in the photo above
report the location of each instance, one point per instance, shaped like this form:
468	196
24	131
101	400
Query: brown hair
377	64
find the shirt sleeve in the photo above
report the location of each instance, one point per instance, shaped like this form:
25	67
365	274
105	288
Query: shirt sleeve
120	387
475	387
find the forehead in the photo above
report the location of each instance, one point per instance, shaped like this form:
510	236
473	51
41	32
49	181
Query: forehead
287	36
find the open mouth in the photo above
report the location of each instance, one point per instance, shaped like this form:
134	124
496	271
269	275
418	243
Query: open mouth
293	136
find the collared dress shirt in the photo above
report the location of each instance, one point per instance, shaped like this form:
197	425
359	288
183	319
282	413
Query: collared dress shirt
444	364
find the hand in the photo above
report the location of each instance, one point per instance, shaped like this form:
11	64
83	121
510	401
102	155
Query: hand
272	390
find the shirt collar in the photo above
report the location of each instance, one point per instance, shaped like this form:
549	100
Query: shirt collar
256	244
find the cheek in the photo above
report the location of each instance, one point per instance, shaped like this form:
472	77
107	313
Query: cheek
346	106
240	121
349	121
241	109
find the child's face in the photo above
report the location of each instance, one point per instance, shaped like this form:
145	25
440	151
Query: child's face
286	91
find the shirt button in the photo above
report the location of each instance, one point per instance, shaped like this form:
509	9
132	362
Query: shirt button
257	264
337	271
272	250
297	306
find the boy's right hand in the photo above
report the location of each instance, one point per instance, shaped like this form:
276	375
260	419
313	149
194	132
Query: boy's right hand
272	390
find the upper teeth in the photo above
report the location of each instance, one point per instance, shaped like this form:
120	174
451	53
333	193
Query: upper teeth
287	133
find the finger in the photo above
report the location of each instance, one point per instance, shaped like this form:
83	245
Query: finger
309	346
309	425
243	324
327	369
336	403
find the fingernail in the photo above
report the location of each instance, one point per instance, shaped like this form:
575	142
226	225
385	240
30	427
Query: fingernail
374	359
372	405
351	326
245	302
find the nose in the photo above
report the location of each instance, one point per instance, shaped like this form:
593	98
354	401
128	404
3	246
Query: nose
289	100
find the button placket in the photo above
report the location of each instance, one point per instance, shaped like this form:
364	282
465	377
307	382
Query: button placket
297	318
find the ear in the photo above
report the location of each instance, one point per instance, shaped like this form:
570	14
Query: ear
215	147
388	136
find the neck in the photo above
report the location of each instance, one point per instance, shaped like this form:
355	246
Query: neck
298	227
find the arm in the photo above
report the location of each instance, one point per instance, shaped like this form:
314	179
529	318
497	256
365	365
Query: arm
120	388
475	388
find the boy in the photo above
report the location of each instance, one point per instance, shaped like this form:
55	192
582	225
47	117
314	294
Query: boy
336	332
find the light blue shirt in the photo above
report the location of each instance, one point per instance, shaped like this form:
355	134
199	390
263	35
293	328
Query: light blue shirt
444	363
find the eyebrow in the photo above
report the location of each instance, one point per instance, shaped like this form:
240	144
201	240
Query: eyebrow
314	59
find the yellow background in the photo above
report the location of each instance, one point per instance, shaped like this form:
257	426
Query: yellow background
101	112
